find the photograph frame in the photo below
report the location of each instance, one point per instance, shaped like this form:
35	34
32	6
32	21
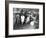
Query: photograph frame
7	18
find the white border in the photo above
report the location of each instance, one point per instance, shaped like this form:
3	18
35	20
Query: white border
28	31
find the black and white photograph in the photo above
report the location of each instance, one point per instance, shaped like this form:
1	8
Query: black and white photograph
25	18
